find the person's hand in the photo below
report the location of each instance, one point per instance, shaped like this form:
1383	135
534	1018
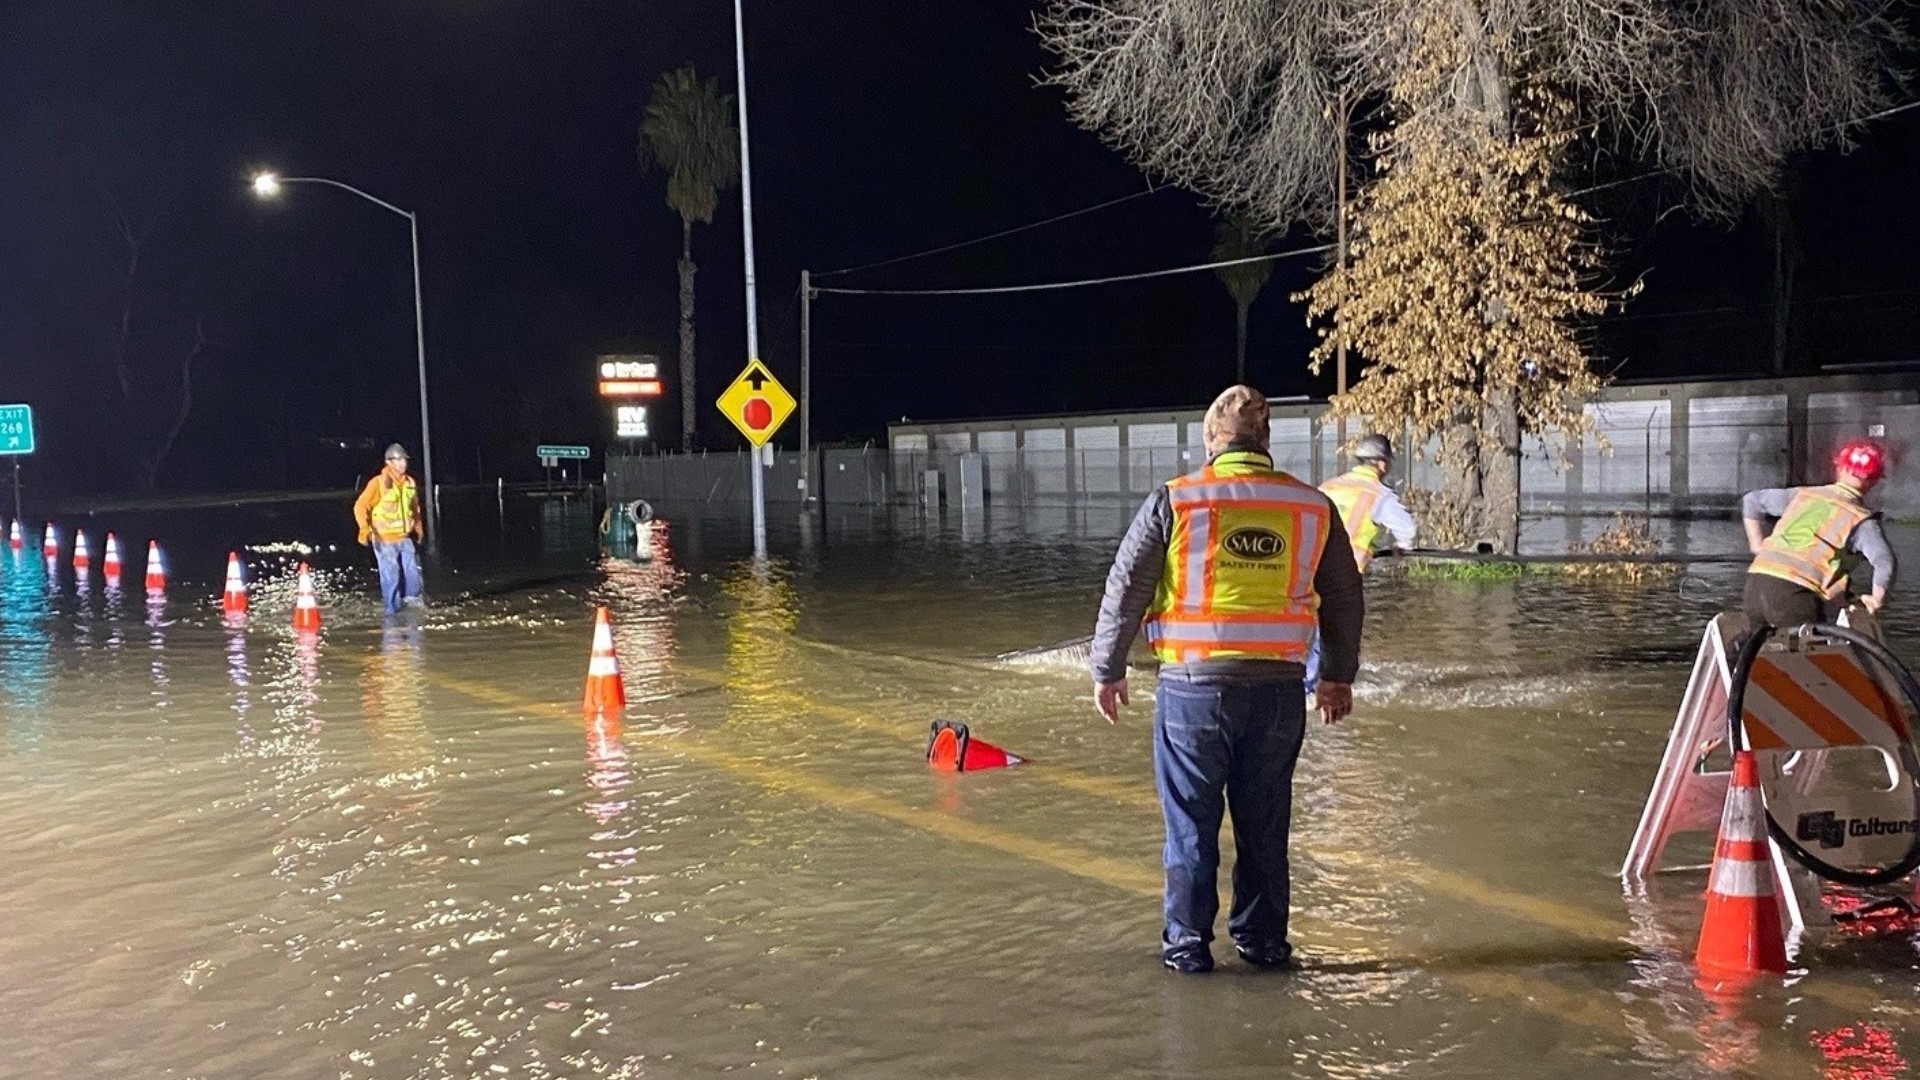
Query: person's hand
1873	602
1335	700
366	537
1108	697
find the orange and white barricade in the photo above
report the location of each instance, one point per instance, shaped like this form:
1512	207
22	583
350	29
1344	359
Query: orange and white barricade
1835	753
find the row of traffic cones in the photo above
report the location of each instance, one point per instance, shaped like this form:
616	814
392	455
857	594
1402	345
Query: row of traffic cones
233	595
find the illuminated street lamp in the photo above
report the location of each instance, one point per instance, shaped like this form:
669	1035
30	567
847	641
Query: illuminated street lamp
267	185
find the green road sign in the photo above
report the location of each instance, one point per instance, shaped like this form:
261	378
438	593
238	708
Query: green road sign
579	452
16	429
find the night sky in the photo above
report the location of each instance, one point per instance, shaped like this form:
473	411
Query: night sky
508	126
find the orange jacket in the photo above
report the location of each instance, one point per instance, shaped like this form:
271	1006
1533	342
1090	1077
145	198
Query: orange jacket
379	489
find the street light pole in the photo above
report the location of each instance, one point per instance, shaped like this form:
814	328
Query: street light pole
268	185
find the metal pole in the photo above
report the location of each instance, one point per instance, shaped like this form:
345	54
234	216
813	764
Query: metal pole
806	385
16	490
746	220
1340	261
426	428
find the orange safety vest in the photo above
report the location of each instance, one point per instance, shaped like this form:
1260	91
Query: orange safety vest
1355	494
394	508
1806	545
1240	563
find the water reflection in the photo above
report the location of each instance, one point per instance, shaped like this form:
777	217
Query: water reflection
643	599
763	665
157	624
241	679
393	692
26	649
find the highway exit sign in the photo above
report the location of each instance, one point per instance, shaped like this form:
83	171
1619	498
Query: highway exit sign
16	429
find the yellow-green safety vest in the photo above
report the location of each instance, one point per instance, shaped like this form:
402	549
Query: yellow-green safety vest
1245	543
1807	543
1355	494
392	515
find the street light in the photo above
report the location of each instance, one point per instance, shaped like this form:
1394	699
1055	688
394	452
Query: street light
267	185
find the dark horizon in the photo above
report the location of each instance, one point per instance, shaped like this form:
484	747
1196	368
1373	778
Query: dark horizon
509	128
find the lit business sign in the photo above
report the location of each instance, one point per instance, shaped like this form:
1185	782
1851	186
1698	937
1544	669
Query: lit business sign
630	422
630	377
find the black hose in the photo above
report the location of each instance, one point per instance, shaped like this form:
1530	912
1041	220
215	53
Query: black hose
1736	738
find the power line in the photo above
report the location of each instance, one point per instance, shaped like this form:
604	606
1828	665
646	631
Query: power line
983	239
1082	283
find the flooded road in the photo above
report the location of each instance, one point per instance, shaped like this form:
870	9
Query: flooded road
400	851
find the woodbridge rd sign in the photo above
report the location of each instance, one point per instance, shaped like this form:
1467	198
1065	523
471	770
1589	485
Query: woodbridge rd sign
579	453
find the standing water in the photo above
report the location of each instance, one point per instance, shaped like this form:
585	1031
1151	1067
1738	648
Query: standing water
399	850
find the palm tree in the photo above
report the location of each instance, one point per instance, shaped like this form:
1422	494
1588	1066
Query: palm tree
689	134
1237	238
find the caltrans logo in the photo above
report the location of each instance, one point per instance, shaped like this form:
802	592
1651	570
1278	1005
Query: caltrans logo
1255	543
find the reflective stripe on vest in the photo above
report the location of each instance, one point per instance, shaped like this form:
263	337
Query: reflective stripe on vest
1806	544
1246	541
392	515
1355	495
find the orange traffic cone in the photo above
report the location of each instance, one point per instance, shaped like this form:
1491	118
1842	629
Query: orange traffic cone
110	561
952	748
1740	938
156	573
605	691
233	600
306	607
14	539
81	558
50	544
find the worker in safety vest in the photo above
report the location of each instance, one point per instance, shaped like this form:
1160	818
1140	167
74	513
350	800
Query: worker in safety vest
1799	572
1367	504
388	511
1233	569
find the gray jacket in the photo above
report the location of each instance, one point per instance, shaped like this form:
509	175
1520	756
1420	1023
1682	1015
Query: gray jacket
1136	573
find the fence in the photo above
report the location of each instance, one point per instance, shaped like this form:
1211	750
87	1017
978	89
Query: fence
1675	449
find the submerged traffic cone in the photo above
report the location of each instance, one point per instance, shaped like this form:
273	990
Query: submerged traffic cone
1741	938
81	558
233	600
110	561
14	539
306	607
156	573
605	690
50	544
952	748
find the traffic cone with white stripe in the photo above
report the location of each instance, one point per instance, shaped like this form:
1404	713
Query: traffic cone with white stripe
50	543
605	690
14	540
952	748
110	561
82	559
156	572
233	599
1741	937
306	606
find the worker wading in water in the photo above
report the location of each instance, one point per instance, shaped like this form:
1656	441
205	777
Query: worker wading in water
1233	569
1800	568
388	512
1369	508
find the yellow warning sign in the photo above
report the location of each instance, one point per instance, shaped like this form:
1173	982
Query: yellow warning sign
757	403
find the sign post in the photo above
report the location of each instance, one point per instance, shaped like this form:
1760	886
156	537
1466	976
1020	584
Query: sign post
16	441
757	404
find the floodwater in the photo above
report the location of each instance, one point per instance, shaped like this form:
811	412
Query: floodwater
400	851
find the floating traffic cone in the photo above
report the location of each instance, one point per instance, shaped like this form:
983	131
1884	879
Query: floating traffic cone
110	561
1740	938
952	748
156	573
14	539
50	544
605	690
306	607
233	600
81	559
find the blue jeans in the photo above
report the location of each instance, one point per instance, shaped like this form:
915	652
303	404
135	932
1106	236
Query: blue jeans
1220	742
399	571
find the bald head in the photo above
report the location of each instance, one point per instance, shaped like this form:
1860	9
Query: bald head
1238	415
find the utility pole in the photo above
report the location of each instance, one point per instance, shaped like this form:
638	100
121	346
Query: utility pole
753	317
1340	262
806	385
